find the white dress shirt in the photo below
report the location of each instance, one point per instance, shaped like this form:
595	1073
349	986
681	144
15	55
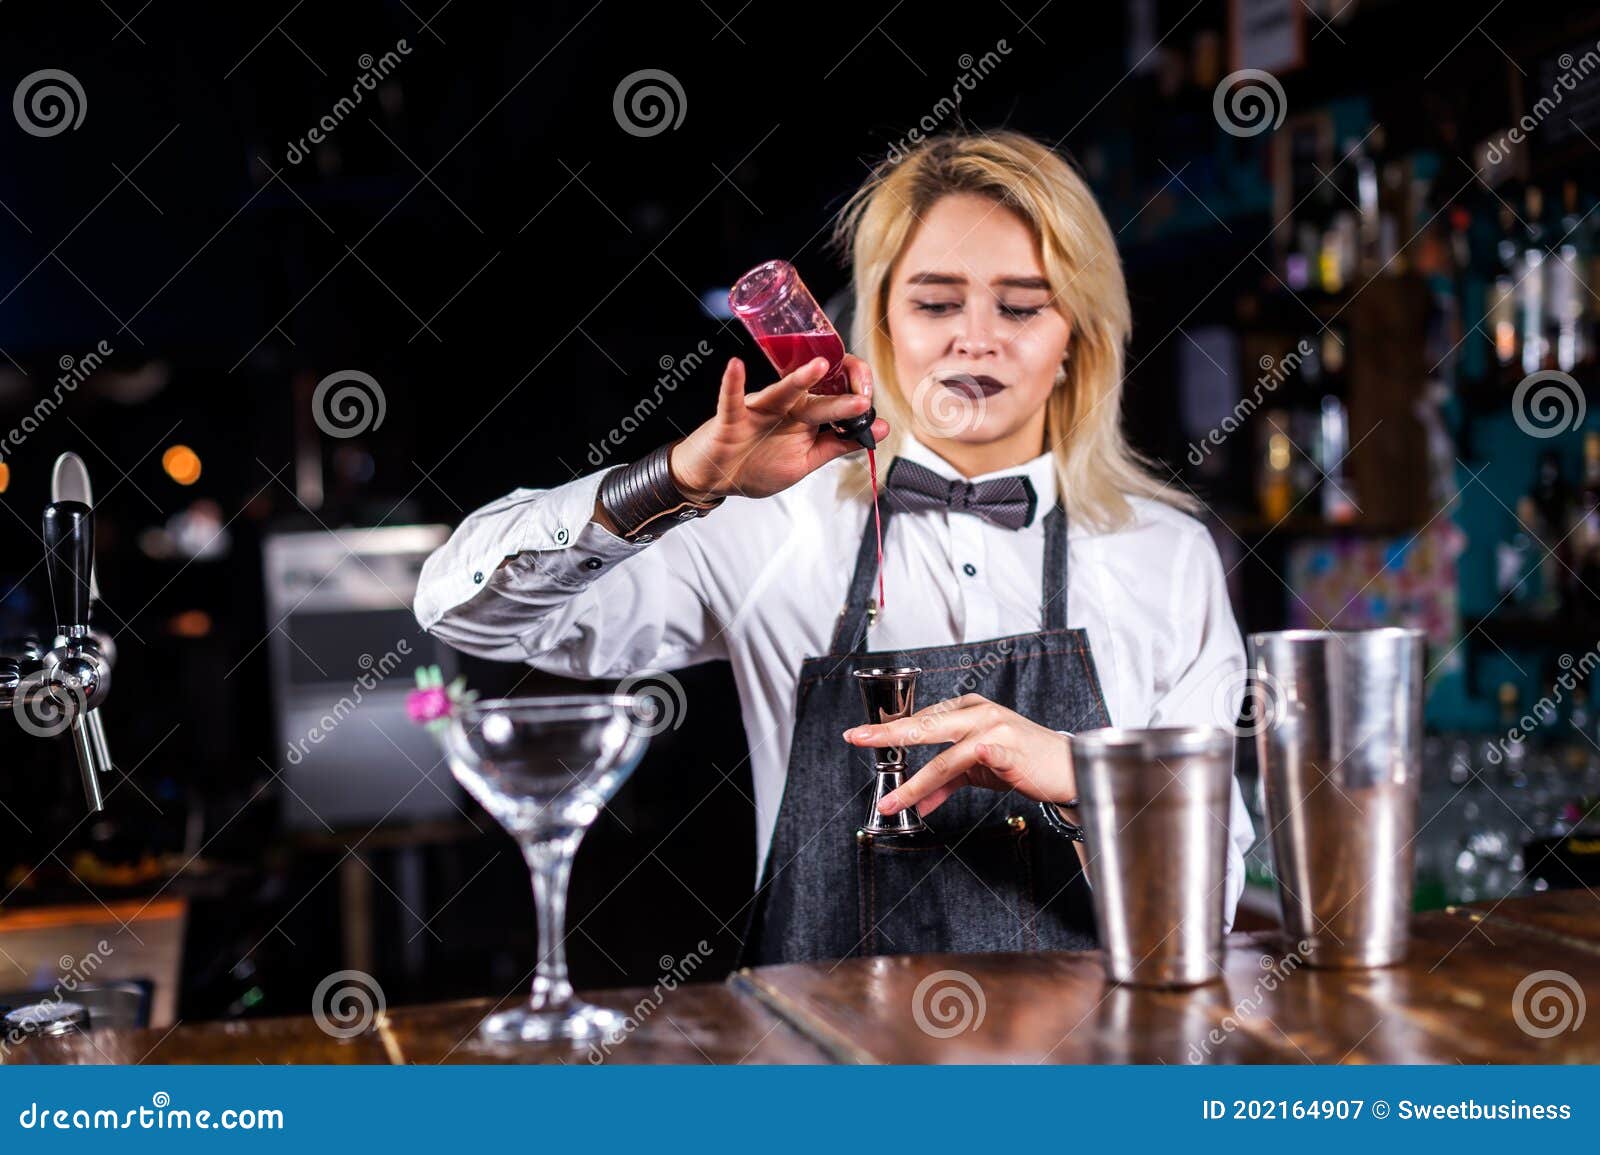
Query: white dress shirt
761	583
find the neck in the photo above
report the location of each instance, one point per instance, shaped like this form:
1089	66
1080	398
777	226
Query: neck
974	459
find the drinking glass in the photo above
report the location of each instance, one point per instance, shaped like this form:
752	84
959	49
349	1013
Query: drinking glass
544	768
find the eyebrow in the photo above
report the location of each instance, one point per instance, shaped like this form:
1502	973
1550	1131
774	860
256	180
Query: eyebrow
958	279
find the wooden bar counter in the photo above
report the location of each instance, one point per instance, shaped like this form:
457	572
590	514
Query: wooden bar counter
1483	984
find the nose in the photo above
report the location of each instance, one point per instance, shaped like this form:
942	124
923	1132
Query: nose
976	337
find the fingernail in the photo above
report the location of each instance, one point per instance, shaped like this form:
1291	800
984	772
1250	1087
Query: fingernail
849	734
888	805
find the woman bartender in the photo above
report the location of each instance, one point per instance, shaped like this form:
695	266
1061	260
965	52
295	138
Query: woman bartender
1042	580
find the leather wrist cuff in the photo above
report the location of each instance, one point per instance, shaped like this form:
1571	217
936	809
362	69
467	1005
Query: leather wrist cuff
644	501
1053	819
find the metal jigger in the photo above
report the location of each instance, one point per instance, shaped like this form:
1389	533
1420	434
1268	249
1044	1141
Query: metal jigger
890	694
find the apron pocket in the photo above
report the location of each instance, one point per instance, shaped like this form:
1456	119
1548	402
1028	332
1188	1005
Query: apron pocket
961	892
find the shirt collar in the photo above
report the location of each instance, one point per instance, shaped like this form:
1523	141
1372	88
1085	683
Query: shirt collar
1041	471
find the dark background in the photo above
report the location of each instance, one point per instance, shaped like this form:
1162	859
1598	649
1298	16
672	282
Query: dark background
511	266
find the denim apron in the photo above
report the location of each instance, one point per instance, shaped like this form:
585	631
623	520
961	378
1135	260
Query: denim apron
992	876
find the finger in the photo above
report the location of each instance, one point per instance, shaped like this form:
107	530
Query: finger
829	448
781	394
919	729
859	374
928	714
947	704
819	409
935	800
938	772
730	397
1013	768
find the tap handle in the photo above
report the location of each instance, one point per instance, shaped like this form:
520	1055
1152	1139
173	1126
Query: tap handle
69	558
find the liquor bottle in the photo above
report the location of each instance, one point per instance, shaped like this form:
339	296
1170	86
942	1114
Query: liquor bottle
1564	324
1517	560
1366	186
1339	503
1581	748
1274	483
1516	747
1531	284
1312	231
1502	309
1586	527
1341	237
1552	494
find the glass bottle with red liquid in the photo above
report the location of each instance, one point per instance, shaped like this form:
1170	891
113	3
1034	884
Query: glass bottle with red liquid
791	328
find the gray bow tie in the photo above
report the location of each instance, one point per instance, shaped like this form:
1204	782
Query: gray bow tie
1004	501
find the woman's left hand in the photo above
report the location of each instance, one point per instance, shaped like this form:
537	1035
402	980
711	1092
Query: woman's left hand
995	748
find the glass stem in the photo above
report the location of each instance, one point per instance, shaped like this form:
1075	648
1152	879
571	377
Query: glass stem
550	863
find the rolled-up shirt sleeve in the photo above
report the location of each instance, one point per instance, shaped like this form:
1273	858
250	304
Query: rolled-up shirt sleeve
532	578
1203	679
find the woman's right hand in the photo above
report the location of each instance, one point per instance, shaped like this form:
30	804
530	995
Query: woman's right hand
761	444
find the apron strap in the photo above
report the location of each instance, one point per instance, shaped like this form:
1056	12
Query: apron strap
850	636
1053	591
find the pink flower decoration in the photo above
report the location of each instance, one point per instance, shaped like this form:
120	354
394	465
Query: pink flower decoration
429	705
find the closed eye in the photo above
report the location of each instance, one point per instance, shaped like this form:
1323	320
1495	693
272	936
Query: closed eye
1018	313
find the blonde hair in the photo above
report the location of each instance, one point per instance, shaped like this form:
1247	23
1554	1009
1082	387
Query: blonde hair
1096	468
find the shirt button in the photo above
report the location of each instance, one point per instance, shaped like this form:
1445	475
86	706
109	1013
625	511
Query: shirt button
970	570
477	578
561	536
593	563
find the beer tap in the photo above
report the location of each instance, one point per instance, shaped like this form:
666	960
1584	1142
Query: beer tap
76	671
62	687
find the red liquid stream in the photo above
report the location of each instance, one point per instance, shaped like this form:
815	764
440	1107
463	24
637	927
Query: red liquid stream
877	522
788	352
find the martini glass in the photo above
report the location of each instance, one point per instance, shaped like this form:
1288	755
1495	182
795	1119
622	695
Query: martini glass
544	768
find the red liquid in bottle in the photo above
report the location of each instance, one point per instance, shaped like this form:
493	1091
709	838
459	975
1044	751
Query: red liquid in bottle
788	352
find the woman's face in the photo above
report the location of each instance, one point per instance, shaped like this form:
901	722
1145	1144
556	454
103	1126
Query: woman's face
978	341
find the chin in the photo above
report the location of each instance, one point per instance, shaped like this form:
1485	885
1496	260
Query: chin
984	432
948	417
